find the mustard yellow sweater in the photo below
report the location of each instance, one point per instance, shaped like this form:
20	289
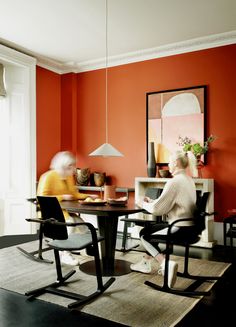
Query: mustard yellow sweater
51	183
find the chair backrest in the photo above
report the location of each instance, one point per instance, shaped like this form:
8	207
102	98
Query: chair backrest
50	208
200	212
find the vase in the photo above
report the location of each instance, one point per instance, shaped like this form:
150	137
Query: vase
200	165
82	176
109	192
151	165
99	178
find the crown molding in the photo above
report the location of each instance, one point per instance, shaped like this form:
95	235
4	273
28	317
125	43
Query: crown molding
196	44
13	56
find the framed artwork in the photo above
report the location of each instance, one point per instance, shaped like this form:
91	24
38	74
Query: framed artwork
175	114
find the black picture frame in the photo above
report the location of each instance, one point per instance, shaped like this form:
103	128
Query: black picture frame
172	113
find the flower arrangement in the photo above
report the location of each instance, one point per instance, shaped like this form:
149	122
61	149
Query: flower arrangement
197	149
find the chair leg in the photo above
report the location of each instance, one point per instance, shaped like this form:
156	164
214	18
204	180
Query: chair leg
190	290
231	237
167	289
37	255
133	244
100	286
60	280
80	299
224	233
124	238
186	273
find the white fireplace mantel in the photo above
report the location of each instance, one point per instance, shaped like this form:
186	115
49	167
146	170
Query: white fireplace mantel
202	184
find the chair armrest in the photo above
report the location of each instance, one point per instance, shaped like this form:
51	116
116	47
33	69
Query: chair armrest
32	200
203	214
53	221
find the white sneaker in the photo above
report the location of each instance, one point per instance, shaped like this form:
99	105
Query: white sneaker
68	259
143	266
172	272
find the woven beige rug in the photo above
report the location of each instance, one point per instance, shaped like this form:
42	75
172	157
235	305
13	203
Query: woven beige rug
128	301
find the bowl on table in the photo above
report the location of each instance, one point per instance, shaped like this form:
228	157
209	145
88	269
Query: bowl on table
164	173
118	202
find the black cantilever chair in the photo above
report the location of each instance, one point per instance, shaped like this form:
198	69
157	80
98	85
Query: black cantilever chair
54	227
187	238
37	255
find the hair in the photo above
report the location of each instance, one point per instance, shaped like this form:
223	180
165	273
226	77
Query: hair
187	159
62	160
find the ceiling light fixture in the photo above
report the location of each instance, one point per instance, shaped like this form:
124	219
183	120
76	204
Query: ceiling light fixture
106	149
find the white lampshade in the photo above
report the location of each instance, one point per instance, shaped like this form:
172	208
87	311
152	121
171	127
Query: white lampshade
106	150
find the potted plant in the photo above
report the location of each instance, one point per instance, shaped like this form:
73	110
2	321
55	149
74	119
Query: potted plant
197	149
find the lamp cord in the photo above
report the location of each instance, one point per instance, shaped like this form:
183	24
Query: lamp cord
106	104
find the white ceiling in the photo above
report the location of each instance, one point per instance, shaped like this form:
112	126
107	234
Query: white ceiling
68	34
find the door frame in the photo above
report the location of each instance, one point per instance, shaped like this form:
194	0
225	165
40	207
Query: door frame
28	63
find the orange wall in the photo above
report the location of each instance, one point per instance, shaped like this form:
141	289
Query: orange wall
48	117
127	88
69	112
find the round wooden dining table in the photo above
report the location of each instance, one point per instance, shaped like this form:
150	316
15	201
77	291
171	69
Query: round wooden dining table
107	220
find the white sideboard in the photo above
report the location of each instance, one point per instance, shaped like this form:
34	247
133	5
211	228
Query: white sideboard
202	184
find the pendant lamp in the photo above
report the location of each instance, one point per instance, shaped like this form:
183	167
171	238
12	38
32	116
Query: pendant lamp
106	149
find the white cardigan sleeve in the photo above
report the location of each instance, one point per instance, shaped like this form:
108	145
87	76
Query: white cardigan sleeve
165	202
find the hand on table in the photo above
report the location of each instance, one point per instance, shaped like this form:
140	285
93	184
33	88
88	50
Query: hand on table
147	199
139	203
92	196
67	197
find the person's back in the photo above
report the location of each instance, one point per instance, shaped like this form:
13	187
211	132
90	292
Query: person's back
177	199
185	197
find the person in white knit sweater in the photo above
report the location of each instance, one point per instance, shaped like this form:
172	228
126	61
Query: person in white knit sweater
178	200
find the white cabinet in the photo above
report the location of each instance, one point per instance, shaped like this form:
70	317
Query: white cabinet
202	184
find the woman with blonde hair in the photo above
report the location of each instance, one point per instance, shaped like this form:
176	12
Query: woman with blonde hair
59	181
178	200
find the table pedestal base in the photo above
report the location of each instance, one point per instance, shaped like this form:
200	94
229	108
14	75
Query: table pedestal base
122	267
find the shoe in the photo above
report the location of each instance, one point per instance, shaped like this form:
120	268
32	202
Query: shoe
172	272
143	266
68	259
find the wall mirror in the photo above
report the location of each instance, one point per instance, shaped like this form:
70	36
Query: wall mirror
172	114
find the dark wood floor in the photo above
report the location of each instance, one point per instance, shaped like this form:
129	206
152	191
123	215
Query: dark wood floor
212	311
216	310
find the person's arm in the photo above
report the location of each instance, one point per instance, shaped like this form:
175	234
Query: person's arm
73	191
165	202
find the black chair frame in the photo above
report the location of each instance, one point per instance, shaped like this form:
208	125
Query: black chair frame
53	287
191	238
56	229
229	229
36	255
